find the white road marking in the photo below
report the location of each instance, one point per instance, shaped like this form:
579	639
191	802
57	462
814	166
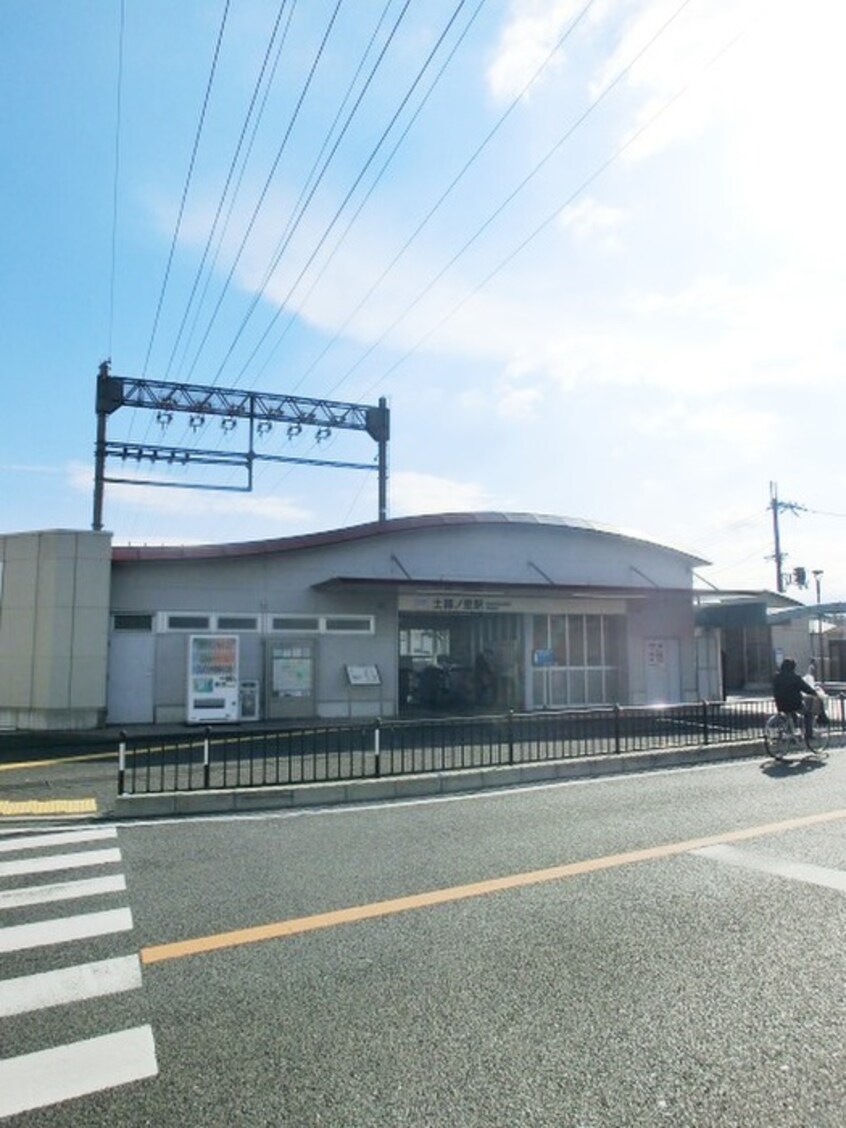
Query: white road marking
62	891
69	985
59	862
43	1078
63	838
62	929
778	867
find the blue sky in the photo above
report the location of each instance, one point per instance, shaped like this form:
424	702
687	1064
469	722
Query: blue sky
625	305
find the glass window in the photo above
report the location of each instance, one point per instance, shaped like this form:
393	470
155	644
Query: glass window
558	638
595	690
613	629
188	622
237	623
540	632
577	640
133	622
360	623
558	687
578	689
301	623
593	632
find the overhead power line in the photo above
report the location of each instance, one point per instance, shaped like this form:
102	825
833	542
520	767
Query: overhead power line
188	177
267	184
339	211
232	166
453	184
281	249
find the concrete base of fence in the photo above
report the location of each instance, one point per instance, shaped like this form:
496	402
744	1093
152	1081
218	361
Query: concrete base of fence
421	786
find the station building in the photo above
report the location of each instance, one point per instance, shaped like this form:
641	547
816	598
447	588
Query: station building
459	611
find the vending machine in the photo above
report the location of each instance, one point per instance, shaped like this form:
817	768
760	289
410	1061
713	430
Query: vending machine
213	687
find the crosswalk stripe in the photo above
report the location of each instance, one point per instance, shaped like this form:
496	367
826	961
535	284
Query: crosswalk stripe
47	1076
59	862
778	867
58	931
59	838
62	891
69	984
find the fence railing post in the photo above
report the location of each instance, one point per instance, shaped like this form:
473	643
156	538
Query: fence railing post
704	722
510	731
122	763
206	758
377	747
617	716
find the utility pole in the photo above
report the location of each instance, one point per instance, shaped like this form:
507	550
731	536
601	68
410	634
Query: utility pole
777	506
817	574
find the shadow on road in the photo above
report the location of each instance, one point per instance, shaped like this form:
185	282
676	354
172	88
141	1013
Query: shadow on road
792	765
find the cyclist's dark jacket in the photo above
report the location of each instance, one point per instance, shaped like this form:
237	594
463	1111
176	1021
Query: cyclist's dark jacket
788	689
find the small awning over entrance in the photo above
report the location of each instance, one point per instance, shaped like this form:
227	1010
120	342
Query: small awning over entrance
575	591
745	613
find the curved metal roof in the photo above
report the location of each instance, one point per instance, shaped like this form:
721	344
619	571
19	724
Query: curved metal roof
375	529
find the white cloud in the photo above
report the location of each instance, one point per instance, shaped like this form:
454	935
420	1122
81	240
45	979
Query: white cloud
532	30
174	501
588	217
413	492
753	429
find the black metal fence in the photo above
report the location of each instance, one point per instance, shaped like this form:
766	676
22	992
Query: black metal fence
319	753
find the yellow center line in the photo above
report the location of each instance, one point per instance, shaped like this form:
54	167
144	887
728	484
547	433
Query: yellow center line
20	764
296	926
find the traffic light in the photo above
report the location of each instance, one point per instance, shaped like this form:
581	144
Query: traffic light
800	577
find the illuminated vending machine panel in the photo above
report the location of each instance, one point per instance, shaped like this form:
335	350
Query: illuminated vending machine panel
213	687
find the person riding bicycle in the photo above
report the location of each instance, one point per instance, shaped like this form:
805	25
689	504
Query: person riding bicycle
790	691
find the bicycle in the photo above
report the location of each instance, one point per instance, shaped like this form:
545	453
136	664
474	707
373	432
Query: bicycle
782	736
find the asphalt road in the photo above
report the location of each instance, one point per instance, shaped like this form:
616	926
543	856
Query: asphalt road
646	950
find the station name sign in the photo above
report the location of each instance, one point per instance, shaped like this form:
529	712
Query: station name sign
458	602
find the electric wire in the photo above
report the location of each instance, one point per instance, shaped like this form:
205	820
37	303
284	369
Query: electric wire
344	101
679	93
281	249
568	133
296	212
237	189
267	183
354	217
420	74
229	176
329	132
188	177
283	304
443	197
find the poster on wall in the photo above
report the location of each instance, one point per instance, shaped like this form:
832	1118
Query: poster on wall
213	688
292	672
655	652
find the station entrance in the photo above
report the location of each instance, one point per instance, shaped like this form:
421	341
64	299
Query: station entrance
467	662
471	653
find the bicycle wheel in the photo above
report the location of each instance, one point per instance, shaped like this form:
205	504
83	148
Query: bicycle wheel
776	736
817	742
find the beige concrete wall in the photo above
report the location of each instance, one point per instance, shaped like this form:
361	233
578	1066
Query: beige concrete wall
54	617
